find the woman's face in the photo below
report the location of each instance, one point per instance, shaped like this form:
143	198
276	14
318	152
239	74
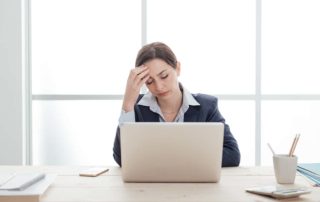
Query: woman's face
163	81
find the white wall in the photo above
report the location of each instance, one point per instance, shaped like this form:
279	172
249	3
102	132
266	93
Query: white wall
10	83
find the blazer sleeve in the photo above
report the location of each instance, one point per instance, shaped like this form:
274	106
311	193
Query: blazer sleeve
116	148
116	144
231	153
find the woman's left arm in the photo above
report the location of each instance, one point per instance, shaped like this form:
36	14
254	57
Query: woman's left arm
231	153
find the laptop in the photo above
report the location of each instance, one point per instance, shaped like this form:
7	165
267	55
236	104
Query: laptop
171	152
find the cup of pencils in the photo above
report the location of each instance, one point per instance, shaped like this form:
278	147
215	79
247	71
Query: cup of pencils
285	165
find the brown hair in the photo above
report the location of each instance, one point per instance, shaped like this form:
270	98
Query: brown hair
156	50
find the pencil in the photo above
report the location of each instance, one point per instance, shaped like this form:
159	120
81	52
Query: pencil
271	149
294	144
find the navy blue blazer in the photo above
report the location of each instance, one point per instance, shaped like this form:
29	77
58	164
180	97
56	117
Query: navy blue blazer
207	111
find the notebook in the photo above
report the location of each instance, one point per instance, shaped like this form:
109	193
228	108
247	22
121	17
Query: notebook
26	187
21	181
311	171
171	152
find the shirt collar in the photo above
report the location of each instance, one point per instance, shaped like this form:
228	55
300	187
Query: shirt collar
150	101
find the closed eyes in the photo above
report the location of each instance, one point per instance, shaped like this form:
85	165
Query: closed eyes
164	76
151	80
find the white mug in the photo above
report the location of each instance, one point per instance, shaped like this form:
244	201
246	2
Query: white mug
285	168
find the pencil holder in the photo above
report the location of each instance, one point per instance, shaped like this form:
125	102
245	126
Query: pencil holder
285	167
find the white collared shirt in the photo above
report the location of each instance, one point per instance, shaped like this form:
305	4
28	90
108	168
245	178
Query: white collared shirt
150	101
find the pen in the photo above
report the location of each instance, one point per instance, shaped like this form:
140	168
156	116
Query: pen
271	149
294	144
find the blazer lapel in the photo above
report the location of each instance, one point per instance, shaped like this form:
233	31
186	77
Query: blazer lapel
192	114
145	115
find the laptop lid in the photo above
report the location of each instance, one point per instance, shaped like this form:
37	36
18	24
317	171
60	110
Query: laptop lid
171	152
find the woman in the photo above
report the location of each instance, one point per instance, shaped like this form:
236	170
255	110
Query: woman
167	100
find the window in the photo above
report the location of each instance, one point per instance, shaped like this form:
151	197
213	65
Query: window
290	47
259	57
289	83
215	41
81	53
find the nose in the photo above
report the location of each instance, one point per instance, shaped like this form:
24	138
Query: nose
159	85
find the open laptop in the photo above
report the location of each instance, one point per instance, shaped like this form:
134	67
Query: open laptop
171	152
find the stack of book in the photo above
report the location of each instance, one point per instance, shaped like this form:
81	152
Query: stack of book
26	187
311	171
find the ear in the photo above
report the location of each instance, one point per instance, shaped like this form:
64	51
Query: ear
178	68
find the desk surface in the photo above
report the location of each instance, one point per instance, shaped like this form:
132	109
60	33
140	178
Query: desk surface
68	186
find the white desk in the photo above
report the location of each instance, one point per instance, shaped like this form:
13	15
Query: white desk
68	186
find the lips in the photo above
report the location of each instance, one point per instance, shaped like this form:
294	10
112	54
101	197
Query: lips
163	94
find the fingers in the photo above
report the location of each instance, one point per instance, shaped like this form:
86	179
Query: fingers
138	70
139	75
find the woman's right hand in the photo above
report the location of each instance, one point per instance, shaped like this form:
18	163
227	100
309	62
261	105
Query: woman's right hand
137	77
